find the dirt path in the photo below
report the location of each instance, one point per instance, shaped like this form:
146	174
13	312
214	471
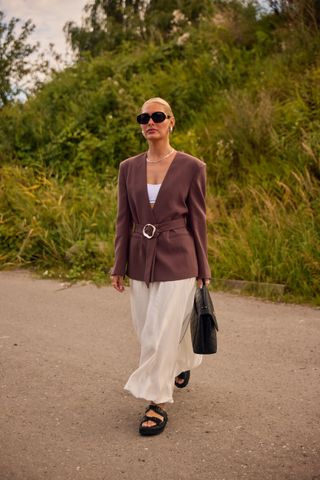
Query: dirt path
250	412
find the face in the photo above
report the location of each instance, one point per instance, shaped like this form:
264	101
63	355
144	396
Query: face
156	131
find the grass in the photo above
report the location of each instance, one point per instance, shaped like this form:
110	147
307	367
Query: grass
62	229
66	230
270	237
246	100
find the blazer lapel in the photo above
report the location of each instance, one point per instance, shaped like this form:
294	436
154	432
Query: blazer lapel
156	210
142	205
145	212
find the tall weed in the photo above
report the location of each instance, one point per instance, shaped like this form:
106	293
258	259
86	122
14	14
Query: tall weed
65	228
270	237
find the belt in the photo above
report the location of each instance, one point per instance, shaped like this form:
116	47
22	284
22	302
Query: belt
151	233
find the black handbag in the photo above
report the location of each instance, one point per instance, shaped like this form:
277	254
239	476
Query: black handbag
203	323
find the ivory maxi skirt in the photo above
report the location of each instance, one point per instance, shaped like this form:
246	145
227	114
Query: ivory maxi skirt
161	318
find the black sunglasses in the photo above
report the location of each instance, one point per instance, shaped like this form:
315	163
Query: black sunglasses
157	117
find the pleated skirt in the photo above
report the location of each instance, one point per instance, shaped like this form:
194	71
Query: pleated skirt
161	318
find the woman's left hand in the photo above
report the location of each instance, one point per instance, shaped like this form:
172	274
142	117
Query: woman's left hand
200	282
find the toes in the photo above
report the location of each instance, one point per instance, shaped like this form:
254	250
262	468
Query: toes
149	423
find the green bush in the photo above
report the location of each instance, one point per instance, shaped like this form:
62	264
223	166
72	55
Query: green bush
62	228
245	92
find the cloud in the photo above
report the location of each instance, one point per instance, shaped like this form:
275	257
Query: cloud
49	18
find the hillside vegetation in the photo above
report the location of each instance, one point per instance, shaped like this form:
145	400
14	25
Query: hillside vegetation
245	91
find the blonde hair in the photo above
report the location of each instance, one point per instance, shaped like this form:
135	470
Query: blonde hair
162	102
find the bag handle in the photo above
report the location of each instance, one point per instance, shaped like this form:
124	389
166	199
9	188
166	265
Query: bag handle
202	293
206	306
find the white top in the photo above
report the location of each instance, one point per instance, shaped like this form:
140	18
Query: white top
153	190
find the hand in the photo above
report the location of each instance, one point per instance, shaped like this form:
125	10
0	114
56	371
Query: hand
117	282
200	282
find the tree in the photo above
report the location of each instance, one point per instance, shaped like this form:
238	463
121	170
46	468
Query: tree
165	16
305	13
111	22
108	23
17	60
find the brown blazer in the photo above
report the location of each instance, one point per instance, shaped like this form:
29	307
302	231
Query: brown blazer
178	248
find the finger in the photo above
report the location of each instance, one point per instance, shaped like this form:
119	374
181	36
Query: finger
115	285
120	285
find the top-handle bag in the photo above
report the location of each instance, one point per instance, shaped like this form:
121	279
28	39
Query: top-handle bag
203	323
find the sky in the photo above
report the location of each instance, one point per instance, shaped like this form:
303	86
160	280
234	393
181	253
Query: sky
49	16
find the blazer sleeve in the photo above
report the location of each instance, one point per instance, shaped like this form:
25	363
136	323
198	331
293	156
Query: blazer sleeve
197	220
123	227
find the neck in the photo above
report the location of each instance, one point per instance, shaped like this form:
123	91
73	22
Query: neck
158	150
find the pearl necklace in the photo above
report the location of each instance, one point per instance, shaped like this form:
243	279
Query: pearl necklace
157	161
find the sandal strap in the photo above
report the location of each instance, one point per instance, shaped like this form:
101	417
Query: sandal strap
152	419
183	375
158	410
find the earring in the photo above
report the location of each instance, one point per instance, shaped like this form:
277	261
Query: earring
171	129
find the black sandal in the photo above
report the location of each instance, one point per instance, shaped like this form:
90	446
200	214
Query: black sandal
184	376
160	424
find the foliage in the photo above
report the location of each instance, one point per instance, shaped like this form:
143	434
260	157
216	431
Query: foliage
271	238
57	228
302	13
16	67
110	23
245	92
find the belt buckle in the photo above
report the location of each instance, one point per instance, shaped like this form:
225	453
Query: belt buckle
147	235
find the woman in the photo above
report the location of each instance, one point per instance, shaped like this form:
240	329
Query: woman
161	244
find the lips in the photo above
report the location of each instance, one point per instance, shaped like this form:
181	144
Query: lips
150	130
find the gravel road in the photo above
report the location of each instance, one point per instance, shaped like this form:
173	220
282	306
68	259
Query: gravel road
251	411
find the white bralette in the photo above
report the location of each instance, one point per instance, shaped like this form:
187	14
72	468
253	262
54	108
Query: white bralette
153	190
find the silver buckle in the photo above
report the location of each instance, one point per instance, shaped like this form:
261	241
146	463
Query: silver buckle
153	231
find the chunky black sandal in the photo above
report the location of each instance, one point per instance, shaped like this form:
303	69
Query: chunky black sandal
184	376
160	424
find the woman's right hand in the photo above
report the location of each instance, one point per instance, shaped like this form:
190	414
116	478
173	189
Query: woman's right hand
117	281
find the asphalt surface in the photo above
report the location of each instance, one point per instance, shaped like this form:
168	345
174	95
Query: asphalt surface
252	411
